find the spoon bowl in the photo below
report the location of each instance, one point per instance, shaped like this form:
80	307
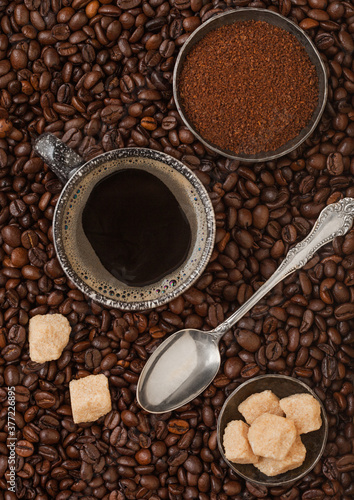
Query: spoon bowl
178	370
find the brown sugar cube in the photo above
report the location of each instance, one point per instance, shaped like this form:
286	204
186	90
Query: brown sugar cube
90	398
293	459
304	410
259	403
48	334
236	445
272	436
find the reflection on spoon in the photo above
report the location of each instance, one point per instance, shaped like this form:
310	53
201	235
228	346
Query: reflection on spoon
187	362
180	362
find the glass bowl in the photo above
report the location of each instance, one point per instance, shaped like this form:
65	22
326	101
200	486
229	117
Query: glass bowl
282	386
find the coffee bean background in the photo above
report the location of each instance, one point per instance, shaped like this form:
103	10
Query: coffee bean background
99	75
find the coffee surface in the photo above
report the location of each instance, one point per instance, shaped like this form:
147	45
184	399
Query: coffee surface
136	227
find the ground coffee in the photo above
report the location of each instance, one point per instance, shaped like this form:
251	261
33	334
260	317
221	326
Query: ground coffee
248	87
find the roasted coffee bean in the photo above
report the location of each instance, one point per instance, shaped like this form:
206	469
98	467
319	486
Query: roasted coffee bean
248	340
344	312
11	375
273	351
37	257
89	453
99	76
44	399
24	448
314	494
17	334
335	164
29	239
329	367
92	358
129	418
11	352
232	367
17	208
49	436
177	458
178	426
257	490
11	235
345	463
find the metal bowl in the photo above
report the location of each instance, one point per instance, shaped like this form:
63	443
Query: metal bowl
282	386
275	19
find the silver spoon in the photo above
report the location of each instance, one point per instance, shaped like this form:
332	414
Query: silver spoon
187	362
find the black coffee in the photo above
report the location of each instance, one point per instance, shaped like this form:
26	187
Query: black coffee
136	227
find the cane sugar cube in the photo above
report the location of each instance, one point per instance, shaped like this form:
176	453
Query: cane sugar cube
293	459
259	403
90	398
48	334
272	436
236	445
304	410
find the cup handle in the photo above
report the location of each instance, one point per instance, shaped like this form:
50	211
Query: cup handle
61	159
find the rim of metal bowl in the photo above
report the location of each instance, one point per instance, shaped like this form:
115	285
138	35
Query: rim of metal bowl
214	23
325	423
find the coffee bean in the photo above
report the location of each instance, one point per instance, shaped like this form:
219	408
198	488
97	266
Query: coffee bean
335	164
11	352
37	257
273	351
17	208
44	399
50	453
11	235
250	370
344	312
345	463
128	4
329	367
49	436
18	59
111	114
149	123
19	257
178	426
247	339
98	75
193	465
150	482
232	367
24	448
32	166
129	418
313	494
11	375
346	41
89	453
29	239
92	358
257	490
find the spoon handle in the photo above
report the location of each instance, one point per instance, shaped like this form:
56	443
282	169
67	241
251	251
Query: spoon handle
334	220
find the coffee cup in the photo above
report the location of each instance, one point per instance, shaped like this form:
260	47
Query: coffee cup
133	228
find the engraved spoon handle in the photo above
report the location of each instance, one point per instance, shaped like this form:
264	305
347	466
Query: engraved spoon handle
334	220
